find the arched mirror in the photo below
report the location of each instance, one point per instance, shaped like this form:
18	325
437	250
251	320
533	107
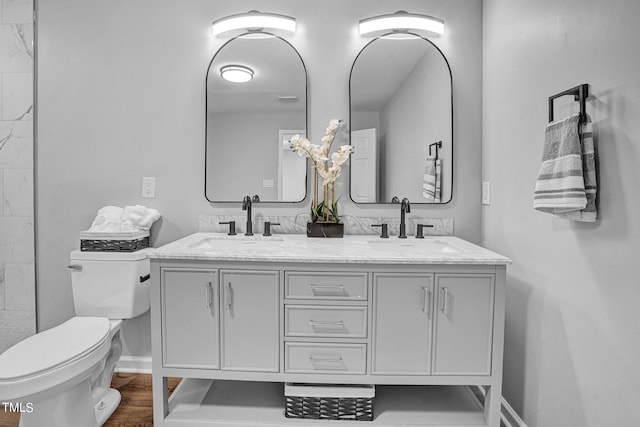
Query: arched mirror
256	100
401	108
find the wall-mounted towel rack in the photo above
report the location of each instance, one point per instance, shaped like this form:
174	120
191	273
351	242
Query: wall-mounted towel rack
580	94
437	145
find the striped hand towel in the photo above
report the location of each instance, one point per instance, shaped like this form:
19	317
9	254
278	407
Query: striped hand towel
429	179
438	194
589	213
560	185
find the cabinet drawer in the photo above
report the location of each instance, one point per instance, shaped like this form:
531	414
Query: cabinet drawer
325	321
326	285
325	358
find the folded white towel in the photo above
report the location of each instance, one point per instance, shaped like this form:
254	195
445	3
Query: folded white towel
589	213
560	186
112	219
429	179
107	220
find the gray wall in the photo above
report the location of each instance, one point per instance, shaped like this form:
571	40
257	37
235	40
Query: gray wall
121	89
415	110
572	329
246	143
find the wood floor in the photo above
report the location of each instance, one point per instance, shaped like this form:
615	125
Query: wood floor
136	407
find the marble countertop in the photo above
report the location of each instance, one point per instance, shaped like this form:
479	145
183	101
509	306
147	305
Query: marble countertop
352	249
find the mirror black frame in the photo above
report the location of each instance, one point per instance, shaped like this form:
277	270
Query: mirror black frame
452	122
206	114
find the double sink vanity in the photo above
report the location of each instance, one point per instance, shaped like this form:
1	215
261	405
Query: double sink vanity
238	316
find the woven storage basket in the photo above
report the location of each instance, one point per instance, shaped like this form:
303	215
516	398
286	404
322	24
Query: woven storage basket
329	402
114	242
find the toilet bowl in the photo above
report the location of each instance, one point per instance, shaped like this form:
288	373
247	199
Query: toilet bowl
61	377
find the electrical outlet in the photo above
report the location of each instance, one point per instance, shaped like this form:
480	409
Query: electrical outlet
267	183
148	187
486	193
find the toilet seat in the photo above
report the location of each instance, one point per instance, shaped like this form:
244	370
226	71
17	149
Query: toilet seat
54	347
60	353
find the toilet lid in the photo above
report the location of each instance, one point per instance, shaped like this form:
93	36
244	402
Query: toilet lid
53	347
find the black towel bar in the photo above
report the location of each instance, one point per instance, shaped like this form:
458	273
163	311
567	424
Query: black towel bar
580	94
437	146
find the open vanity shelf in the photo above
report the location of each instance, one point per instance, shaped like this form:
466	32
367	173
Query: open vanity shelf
248	403
421	321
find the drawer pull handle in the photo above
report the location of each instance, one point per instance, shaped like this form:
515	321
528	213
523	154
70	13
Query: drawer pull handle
326	289
427	300
326	323
445	300
209	291
327	363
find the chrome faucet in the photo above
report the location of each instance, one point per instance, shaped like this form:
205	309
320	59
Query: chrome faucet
246	206
405	207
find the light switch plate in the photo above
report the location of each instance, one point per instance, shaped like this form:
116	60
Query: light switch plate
486	193
148	187
267	183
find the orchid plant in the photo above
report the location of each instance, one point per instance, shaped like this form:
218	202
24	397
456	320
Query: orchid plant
319	155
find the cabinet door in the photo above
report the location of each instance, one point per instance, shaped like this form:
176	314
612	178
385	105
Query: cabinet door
250	321
464	323
402	319
190	318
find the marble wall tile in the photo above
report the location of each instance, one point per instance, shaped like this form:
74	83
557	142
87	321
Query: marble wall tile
17	11
16	246
17	96
16	48
19	287
2	287
17	199
16	144
296	224
1	191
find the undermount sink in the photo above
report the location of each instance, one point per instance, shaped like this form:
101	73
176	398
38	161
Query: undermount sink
418	245
235	242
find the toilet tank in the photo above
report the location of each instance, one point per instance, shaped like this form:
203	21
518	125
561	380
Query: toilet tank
115	285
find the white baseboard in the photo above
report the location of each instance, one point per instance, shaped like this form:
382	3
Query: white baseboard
134	365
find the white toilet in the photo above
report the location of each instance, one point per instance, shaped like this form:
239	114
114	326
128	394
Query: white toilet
61	377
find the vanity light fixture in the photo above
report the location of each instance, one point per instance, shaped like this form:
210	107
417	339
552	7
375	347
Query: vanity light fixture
253	22
236	73
401	22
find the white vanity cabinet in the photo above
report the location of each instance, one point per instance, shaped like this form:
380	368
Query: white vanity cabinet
464	324
250	330
236	327
190	318
402	319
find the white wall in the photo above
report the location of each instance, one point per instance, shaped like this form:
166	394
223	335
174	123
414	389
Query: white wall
121	88
572	327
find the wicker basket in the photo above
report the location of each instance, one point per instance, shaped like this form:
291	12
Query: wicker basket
114	242
329	402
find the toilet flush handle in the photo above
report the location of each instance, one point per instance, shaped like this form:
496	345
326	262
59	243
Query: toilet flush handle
74	267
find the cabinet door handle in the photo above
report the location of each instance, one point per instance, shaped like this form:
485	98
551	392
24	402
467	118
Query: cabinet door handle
327	363
209	290
445	300
427	300
227	296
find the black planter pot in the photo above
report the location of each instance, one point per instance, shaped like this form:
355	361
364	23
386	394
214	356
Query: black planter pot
325	229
